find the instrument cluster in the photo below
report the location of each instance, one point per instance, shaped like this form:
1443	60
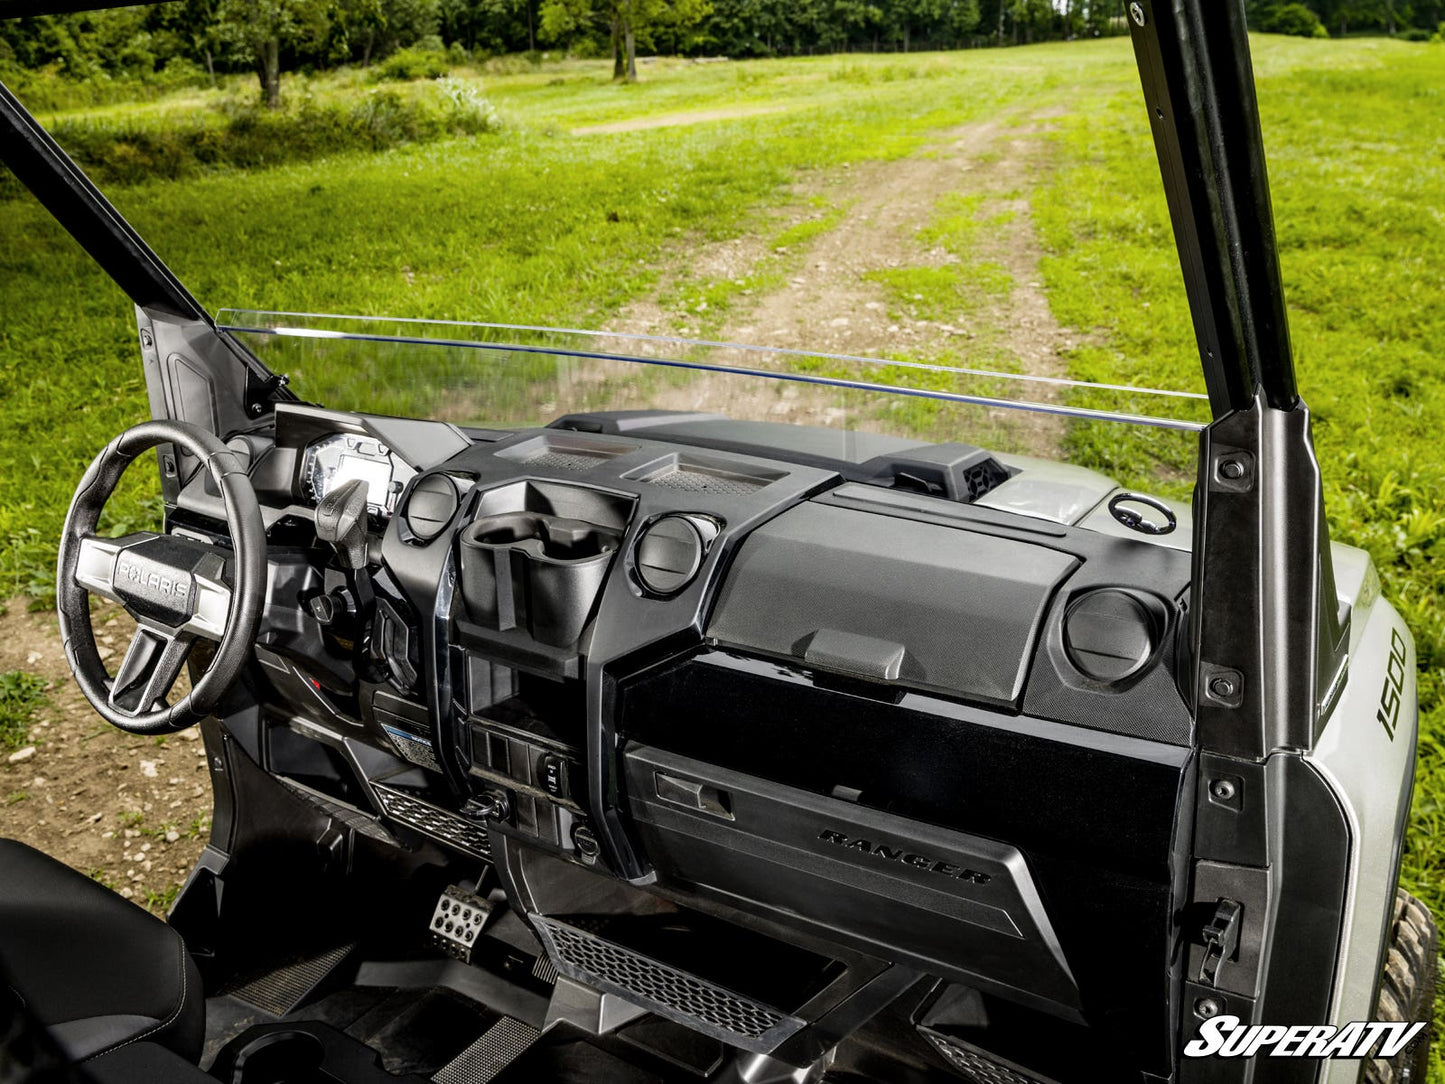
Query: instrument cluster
343	457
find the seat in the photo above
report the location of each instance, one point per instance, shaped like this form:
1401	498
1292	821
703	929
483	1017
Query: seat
96	970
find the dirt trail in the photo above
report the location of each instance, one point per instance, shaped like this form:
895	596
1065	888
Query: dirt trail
829	304
132	812
677	120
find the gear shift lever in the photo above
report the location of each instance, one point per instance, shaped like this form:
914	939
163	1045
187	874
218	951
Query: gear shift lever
341	520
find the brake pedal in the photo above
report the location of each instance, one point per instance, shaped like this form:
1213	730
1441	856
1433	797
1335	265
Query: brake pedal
458	921
499	1046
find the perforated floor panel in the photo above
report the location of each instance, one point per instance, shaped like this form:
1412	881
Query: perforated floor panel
500	1045
278	992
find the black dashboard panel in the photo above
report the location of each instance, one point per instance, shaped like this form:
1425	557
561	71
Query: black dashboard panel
786	689
872	596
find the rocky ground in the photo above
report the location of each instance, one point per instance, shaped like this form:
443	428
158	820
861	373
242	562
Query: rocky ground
132	812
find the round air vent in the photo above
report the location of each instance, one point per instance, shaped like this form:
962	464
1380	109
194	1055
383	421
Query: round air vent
1109	634
431	506
669	553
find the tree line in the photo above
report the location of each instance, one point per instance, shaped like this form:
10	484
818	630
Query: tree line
206	37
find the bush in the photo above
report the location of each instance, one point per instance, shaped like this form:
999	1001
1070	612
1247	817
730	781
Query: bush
51	88
1295	19
21	695
1416	33
240	133
407	65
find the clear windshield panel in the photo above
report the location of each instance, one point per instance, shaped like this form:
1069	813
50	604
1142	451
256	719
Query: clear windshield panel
491	375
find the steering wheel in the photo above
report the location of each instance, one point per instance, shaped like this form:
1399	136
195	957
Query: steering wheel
177	589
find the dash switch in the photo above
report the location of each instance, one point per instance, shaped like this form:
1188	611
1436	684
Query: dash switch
553	775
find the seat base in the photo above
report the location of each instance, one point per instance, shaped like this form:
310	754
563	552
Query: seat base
99	972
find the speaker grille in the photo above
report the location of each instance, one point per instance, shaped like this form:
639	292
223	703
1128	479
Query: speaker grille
665	990
555	459
691	479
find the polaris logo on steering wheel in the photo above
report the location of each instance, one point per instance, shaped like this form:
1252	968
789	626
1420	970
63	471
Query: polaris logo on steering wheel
135	575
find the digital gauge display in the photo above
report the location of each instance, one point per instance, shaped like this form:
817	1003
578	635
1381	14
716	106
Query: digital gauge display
345	457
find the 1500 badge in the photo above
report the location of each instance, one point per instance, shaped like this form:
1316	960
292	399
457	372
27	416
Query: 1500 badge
1393	692
908	858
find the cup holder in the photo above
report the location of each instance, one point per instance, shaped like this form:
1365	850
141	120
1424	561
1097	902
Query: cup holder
534	571
278	1057
558	539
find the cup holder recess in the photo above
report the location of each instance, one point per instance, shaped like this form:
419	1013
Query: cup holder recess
534	571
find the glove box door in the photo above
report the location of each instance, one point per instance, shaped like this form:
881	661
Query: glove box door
954	905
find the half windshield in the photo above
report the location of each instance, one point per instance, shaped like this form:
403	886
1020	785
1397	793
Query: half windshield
513	376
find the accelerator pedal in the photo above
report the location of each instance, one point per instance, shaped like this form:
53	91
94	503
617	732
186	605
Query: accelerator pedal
458	920
500	1045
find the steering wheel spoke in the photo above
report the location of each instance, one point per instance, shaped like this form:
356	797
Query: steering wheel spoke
166	581
96	560
149	671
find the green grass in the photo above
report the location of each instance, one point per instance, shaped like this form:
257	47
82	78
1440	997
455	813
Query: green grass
533	224
21	696
524	226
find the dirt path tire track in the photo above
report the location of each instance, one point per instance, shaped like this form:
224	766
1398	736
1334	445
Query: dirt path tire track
828	304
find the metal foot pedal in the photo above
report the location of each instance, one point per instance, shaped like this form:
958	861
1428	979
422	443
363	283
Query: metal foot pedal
457	922
500	1045
280	991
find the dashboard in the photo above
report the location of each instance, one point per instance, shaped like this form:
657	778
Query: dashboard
720	665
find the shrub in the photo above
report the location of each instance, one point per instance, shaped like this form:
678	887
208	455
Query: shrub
51	88
1295	19
406	65
241	133
21	695
1416	33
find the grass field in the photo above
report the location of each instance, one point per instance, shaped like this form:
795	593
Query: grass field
532	223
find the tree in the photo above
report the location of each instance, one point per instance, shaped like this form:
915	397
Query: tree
196	24
1293	19
625	22
257	30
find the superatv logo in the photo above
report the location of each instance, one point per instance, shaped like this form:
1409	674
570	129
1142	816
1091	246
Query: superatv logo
908	858
132	573
1226	1037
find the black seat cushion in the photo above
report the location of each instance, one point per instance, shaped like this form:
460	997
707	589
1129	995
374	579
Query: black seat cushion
144	1063
97	971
